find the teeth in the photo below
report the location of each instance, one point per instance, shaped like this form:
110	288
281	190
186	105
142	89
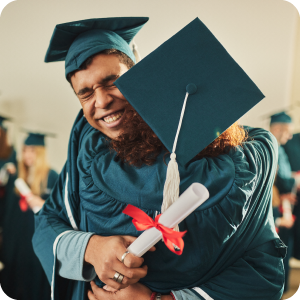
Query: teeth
113	117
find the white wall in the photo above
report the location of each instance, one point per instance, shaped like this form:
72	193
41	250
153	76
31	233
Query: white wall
259	34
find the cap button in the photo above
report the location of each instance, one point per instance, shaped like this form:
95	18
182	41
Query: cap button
191	88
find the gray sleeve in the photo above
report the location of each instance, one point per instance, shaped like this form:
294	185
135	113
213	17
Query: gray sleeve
187	294
70	256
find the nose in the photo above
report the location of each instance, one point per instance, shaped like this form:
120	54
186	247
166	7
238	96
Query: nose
103	98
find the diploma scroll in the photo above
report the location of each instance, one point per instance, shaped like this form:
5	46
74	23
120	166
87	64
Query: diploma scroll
190	200
23	188
25	191
287	209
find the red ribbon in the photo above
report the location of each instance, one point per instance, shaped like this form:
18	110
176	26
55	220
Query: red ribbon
23	203
142	221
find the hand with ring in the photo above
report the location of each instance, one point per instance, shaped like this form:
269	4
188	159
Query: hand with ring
113	265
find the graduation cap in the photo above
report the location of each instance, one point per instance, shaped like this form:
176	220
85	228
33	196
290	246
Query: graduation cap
191	74
36	139
2	119
274	113
76	41
281	117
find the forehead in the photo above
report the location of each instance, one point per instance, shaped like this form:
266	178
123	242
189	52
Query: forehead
102	65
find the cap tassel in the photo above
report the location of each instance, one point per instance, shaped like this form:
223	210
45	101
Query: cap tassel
136	52
171	187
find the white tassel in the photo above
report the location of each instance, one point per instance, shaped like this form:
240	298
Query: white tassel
136	52
171	188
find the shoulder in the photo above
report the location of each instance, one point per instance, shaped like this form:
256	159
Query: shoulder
235	175
94	144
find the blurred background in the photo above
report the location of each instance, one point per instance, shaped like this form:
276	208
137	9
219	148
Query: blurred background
263	36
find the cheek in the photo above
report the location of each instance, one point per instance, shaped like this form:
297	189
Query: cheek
117	94
88	110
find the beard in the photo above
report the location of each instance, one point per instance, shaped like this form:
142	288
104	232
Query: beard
137	144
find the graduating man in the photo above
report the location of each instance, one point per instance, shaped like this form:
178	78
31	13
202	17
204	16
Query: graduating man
116	157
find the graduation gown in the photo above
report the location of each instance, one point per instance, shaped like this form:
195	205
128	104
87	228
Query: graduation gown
292	149
284	180
5	190
231	238
23	275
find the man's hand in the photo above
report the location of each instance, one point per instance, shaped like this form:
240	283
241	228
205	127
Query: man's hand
35	201
136	291
11	168
105	254
287	223
292	198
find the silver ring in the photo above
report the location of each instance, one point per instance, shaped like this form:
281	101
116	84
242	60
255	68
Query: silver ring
116	276
120	278
123	256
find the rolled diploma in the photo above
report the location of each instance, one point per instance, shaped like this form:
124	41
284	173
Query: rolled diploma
3	176
25	191
23	188
287	209
191	199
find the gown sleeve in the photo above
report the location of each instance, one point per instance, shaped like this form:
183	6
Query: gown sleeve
52	222
70	255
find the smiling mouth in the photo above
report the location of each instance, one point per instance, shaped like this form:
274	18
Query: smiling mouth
113	117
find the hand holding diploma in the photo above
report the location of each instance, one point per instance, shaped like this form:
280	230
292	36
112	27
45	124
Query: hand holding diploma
27	198
162	227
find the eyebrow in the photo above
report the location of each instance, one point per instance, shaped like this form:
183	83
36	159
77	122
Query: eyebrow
103	82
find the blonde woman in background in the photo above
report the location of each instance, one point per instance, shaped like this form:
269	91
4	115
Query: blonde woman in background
24	278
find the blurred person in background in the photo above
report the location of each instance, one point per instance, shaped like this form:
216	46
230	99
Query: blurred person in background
8	164
23	276
292	149
281	128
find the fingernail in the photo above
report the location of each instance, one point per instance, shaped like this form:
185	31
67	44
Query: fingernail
105	287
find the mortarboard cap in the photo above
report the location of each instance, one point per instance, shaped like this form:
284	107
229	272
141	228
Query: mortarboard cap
76	41
281	117
2	119
36	139
192	61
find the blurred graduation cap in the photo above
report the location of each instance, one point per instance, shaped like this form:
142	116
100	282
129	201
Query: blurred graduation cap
3	119
36	139
190	74
76	41
281	117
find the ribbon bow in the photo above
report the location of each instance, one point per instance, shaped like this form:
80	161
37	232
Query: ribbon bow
23	203
142	221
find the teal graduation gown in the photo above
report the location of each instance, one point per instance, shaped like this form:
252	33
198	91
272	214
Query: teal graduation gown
7	189
284	180
285	184
231	236
23	275
292	149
